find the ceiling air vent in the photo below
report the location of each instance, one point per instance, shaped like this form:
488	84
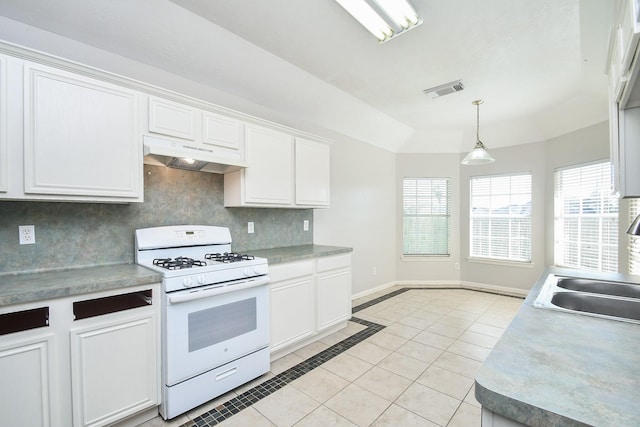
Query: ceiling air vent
445	89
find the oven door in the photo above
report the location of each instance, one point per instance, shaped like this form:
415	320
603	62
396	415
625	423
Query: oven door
210	326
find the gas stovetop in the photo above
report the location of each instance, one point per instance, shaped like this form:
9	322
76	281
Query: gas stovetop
194	255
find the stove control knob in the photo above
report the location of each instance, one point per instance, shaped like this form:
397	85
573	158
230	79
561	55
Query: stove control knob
247	272
187	282
258	270
201	280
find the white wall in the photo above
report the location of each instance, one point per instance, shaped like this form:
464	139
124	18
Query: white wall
541	159
429	268
362	213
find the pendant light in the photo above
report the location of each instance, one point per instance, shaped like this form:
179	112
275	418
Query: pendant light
634	228
479	155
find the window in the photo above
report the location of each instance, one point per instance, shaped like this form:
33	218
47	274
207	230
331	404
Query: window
501	217
634	241
426	216
586	218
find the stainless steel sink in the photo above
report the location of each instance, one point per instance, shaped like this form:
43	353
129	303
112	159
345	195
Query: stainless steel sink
588	303
599	298
620	289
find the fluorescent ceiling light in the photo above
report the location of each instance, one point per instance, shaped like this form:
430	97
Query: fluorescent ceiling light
400	11
384	19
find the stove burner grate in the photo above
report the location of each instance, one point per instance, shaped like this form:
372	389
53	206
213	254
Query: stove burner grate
228	257
178	263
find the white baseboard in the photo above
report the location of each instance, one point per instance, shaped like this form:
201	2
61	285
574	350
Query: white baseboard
448	284
373	290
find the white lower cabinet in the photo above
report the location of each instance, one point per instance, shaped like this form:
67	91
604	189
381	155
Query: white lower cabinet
492	419
292	303
113	369
333	290
308	298
26	382
88	360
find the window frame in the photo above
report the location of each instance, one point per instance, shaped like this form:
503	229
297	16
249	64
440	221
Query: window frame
477	258
448	216
560	238
634	241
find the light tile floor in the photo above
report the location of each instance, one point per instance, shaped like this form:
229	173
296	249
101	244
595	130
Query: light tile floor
417	371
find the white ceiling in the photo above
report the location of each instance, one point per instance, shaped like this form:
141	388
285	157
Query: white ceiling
539	65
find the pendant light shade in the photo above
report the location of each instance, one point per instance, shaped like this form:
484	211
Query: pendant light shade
479	155
634	228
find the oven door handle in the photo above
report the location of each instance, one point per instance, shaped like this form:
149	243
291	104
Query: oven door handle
219	290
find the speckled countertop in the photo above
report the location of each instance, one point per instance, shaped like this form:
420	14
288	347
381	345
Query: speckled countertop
552	368
30	287
297	253
39	286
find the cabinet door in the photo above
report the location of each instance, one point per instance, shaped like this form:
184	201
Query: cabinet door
224	136
171	118
80	136
292	312
25	383
312	172
629	153
4	153
334	298
113	368
269	176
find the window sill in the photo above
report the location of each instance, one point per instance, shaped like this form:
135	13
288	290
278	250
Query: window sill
519	264
426	258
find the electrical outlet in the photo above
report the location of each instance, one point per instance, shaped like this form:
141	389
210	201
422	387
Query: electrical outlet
305	225
456	266
27	234
375	271
250	227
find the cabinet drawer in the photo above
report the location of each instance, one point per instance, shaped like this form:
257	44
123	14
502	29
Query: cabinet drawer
333	262
24	320
290	270
111	304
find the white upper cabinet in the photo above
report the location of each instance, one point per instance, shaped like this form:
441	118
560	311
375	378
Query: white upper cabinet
282	171
217	137
173	119
312	169
269	179
4	152
81	139
624	98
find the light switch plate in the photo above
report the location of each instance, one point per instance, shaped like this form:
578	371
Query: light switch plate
305	225
250	227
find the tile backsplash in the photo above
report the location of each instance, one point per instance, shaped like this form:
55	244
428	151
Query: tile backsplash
72	235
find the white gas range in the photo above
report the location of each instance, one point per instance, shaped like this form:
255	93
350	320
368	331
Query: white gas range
215	323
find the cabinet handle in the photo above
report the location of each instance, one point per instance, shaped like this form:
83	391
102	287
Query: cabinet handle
226	374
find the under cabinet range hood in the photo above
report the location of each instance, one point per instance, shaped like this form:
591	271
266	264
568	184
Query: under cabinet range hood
173	154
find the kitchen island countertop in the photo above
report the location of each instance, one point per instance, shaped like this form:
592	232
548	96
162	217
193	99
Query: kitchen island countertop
553	368
298	253
39	286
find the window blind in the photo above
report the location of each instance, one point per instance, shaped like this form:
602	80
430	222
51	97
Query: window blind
426	216
634	241
501	217
586	218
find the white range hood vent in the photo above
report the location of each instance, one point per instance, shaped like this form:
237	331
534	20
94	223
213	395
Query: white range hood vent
445	89
164	152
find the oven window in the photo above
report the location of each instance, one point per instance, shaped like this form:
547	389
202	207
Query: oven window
217	324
